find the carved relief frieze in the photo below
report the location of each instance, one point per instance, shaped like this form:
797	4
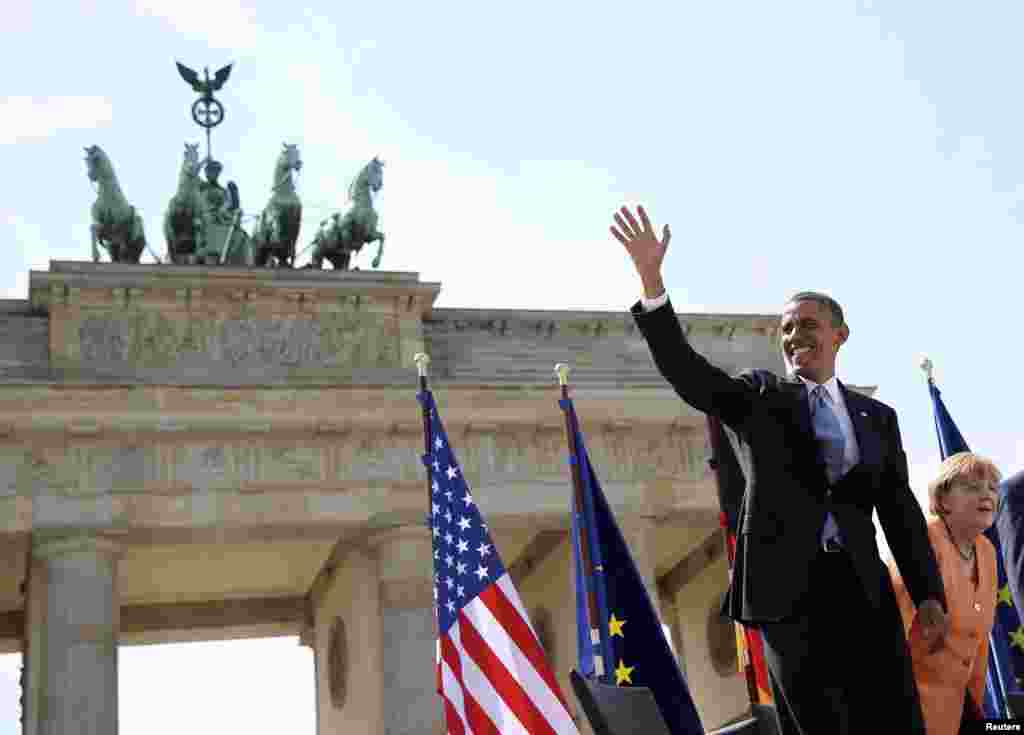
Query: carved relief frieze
298	462
127	467
377	457
382	458
213	465
157	340
637	455
49	470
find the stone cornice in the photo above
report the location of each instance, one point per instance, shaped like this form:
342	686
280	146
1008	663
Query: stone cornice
71	283
541	323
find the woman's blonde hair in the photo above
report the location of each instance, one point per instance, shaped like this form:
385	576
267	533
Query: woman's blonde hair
955	468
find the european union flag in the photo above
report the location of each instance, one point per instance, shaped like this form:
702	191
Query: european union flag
1004	661
629	637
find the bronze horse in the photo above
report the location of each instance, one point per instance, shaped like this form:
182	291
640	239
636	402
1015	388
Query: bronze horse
115	223
339	237
277	230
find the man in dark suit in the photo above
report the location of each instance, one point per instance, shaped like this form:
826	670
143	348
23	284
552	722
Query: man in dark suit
1010	525
818	459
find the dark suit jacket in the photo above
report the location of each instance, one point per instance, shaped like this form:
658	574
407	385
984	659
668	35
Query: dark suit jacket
787	494
1010	527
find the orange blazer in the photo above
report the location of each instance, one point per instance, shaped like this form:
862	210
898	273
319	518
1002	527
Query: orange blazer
944	677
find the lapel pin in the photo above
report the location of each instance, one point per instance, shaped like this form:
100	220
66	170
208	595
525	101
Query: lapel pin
863	413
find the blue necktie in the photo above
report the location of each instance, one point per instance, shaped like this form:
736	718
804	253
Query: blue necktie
832	445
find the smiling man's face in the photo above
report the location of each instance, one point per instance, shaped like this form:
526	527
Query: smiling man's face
809	340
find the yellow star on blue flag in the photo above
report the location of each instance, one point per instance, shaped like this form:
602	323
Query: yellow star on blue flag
1017	638
615	626
623	673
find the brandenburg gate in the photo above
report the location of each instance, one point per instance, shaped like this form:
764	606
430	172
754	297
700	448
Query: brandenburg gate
193	454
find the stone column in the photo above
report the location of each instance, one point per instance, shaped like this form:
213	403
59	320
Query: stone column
409	631
75	610
347	639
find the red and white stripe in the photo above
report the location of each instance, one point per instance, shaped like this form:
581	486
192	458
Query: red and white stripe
494	676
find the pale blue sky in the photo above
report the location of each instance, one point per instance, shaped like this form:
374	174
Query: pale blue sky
869	149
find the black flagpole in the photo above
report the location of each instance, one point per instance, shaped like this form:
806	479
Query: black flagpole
422	361
562	370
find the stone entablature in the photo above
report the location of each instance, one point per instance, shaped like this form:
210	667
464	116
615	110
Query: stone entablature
178	481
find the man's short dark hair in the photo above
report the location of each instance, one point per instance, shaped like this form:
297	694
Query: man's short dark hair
825	300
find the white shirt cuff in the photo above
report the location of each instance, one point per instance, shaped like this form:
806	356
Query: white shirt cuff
656	303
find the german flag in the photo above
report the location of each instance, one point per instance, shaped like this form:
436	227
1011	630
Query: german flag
731	484
749	646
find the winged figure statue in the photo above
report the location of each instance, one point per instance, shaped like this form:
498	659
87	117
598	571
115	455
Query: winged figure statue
206	86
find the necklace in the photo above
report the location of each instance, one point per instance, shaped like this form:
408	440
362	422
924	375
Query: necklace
969	555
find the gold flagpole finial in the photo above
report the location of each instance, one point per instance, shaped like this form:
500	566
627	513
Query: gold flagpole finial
928	366
422	360
562	371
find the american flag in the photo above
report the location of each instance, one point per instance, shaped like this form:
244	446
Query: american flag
493	676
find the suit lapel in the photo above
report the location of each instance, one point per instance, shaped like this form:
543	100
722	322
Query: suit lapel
862	416
801	406
797	393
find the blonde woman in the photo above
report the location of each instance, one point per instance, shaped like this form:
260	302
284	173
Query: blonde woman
951	680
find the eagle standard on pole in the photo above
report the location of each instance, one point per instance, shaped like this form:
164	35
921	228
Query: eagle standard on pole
207	111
